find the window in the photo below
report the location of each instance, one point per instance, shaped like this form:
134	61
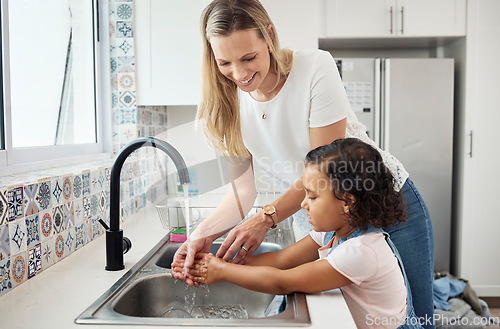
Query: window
50	81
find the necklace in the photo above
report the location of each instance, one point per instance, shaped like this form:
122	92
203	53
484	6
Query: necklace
263	109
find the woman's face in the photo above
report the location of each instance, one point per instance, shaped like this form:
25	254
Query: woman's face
326	212
243	57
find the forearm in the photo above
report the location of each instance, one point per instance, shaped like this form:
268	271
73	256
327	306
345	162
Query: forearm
233	207
229	213
252	277
289	203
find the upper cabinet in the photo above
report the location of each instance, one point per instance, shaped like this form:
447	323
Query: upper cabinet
169	44
393	18
168	51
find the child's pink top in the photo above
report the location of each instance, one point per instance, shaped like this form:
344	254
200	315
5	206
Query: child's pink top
377	296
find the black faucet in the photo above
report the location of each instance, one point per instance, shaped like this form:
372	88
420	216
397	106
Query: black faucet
114	235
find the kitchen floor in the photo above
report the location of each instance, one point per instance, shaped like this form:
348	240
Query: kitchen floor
495	312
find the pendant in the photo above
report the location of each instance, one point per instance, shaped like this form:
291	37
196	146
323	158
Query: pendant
264	116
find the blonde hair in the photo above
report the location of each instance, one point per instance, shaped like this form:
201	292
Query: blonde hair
219	108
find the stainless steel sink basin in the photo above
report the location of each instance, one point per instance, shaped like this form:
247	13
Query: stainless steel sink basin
148	295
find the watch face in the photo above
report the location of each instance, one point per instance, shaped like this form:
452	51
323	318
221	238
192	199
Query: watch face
268	209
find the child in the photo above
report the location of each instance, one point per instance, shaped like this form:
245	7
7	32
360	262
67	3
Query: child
349	197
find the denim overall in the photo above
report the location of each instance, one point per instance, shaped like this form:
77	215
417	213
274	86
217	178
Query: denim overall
411	321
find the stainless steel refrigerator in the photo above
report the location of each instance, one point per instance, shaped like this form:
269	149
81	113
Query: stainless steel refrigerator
407	107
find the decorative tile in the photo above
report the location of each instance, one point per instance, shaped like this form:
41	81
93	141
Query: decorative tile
87	231
57	192
126	64
5	281
102	201
77	186
114	99
96	228
59	248
4	242
4	206
67	189
32	231
57	220
44	195
112	12
31	199
95	186
124	11
86	183
126	99
18	269
15	202
78	210
87	209
124	29
17	235
124	46
45	225
69	215
126	81
69	241
34	260
94	205
113	49
48	253
79	236
114	82
113	65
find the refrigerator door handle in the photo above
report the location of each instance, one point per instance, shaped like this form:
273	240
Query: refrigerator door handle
386	73
377	99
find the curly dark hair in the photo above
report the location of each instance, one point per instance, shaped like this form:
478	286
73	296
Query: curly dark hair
357	170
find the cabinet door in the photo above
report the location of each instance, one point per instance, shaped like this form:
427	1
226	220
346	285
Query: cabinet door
298	26
359	18
168	51
424	18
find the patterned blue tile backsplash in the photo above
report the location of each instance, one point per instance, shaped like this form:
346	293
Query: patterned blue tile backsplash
47	215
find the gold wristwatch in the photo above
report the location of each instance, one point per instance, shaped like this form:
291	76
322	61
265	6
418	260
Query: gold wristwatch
271	211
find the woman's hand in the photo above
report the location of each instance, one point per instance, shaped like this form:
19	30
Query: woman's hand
185	256
207	269
249	235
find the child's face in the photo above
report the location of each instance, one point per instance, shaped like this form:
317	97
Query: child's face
325	210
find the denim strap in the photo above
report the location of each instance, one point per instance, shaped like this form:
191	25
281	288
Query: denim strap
411	319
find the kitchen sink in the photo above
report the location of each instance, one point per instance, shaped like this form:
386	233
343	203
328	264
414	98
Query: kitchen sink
148	295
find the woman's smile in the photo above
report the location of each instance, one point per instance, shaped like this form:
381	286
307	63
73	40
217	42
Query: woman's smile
249	81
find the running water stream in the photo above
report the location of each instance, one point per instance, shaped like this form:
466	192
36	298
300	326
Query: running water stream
187	218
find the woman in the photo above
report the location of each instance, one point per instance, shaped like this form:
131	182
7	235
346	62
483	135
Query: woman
269	106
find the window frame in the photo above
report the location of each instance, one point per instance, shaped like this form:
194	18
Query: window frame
15	160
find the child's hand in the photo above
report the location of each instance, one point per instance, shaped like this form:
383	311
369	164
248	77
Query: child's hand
206	269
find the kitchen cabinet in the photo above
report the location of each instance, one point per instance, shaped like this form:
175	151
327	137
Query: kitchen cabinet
297	24
393	18
168	51
478	159
169	45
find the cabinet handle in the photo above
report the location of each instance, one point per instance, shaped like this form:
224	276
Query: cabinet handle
470	147
402	19
392	20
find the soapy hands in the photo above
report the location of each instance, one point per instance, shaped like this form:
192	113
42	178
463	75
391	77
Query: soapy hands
185	257
205	269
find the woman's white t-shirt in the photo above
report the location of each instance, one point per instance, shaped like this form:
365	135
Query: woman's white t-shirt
377	295
313	95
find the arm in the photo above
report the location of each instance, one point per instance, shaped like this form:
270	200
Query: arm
232	208
310	277
301	252
251	233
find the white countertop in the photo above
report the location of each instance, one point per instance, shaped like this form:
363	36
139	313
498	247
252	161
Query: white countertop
56	296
